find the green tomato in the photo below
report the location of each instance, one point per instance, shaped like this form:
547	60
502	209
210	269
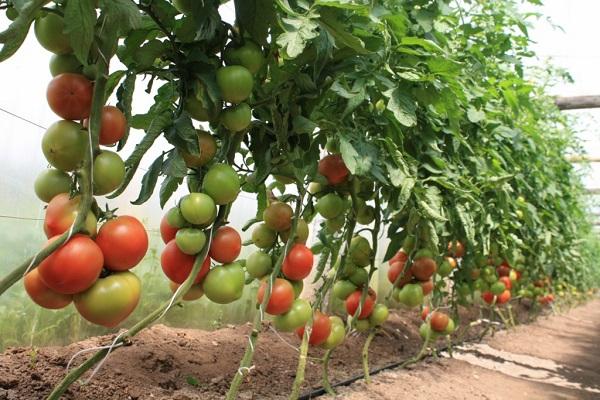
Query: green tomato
12	13
362	325
359	277
480	284
225	283
342	289
426	332
184	6
259	264
450	327
409	243
51	182
110	300
365	215
315	188
410	295
379	315
444	269
336	335
222	183
235	83
190	240
334	225
64	145
237	118
109	172
198	209
360	251
263	237
65	63
49	31
175	219
330	206
497	288
249	55
298	316
464	289
302	232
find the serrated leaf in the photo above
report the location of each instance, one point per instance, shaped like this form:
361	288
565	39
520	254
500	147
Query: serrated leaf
358	6
355	162
149	181
124	103
467	222
405	192
112	82
298	32
121	15
432	204
13	37
402	106
183	135
175	165
255	17
80	19
338	31
168	186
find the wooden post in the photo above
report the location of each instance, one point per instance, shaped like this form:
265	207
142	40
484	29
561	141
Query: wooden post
577	102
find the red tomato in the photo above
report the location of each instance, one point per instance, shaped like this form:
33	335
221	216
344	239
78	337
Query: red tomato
399	256
353	301
74	267
333	168
123	241
282	296
425	313
439	321
167	232
226	245
177	265
504	297
298	263
321	328
488	297
423	268
70	96
507	282
113	125
456	249
395	271
503	270
42	295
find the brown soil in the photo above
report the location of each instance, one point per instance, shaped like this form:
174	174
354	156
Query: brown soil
182	364
557	357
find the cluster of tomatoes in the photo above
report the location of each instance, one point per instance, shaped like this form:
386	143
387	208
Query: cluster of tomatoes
183	229
92	268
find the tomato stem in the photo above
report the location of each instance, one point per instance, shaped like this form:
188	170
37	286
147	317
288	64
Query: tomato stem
365	355
325	374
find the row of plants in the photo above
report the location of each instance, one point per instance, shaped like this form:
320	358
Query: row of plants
416	120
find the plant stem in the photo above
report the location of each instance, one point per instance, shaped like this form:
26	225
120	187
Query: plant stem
299	379
325	374
246	360
365	356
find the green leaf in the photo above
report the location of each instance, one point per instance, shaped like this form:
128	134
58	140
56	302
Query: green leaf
261	201
112	82
355	162
183	135
121	15
467	222
80	19
357	6
175	165
402	106
474	115
149	181
255	17
124	102
338	31
298	32
14	36
405	192
168	186
432	204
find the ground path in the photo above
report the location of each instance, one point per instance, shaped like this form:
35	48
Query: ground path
556	357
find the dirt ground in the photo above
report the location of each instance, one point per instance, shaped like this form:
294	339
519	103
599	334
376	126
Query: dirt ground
186	364
557	357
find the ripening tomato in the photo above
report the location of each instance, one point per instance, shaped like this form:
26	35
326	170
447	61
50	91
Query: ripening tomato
70	96
278	216
298	262
439	321
51	182
74	267
425	313
110	300
113	125
334	169
488	297
64	145
353	301
226	245
427	287
401	256
42	295
395	270
224	284
207	148
61	213
193	293
282	296
321	328
177	265
456	249
507	282
167	232
123	241
504	297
